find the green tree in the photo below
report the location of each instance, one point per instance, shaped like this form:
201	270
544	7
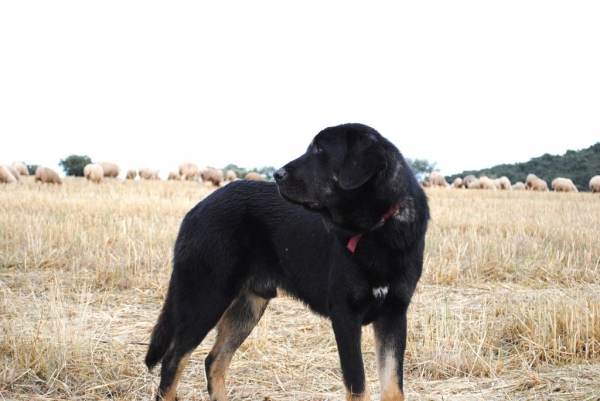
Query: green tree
31	168
74	164
421	168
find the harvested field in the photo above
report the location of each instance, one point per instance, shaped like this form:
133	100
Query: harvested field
507	308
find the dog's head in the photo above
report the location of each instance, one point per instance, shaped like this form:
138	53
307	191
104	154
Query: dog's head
350	174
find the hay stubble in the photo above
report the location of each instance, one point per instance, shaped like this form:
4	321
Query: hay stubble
507	307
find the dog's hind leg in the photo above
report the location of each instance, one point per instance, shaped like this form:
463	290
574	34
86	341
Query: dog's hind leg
233	328
196	317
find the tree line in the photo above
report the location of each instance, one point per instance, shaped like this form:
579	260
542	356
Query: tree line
580	166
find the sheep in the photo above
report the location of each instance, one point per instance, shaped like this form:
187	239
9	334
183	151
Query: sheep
6	176
530	181
254	176
212	175
540	185
474	184
131	174
93	173
437	180
148	174
47	175
595	184
425	184
519	186
230	175
189	172
486	183
560	184
174	176
536	184
21	169
457	183
111	170
13	171
468	180
504	183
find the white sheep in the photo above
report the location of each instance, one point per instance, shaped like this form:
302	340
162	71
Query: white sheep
13	171
111	170
212	175
174	176
230	175
457	183
21	168
148	174
595	184
189	172
47	175
486	183
93	172
131	174
6	176
437	180
519	186
560	184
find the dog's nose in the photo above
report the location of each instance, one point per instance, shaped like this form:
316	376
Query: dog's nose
280	174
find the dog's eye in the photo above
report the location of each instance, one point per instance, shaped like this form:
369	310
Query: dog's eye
318	149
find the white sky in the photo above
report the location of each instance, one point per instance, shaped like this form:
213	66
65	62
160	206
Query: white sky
466	84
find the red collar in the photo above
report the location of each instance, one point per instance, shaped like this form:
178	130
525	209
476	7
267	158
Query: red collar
354	240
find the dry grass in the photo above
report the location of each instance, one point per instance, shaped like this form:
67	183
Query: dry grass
507	308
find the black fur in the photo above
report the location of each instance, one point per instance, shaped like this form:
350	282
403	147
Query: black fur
245	239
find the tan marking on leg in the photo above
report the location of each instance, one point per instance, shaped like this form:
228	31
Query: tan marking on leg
388	378
366	396
172	392
232	331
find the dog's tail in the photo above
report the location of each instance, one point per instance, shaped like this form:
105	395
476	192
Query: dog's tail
162	335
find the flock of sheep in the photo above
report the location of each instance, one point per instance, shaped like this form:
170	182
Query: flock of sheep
190	172
96	172
532	183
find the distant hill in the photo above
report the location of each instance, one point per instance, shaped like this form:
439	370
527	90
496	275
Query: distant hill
579	166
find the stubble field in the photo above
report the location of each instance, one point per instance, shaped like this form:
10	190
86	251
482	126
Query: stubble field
507	308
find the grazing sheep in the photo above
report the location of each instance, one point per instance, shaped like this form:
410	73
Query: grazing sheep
148	174
531	178
534	183
93	173
457	183
253	176
13	171
189	172
21	169
212	175
230	175
47	175
474	184
110	169
470	179
595	184
6	176
519	186
174	176
131	174
425	184
504	183
486	183
560	184
437	180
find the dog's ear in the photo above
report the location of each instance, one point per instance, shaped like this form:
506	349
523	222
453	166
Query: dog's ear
359	166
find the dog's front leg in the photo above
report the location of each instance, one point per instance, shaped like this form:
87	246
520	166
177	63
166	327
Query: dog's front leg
390	344
347	330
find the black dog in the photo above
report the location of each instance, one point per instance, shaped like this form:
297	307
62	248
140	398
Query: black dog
356	259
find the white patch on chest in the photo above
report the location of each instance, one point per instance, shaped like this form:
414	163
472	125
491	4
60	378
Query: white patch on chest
380	292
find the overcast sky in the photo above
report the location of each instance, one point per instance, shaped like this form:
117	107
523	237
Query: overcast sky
465	84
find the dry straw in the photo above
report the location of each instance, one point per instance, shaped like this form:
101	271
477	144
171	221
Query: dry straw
507	308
